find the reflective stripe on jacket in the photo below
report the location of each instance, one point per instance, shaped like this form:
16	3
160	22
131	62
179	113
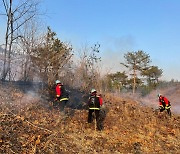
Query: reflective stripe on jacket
94	108
64	99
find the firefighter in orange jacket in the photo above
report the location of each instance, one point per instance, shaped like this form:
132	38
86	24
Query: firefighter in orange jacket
61	94
164	104
94	103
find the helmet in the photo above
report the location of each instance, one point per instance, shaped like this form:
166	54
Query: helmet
57	81
93	90
159	95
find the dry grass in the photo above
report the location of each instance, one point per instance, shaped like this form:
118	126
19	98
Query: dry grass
29	125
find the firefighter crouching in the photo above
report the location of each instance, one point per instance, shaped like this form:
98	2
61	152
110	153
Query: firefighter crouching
61	95
164	104
94	103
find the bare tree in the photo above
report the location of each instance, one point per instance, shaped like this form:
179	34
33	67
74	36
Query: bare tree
87	70
18	13
30	39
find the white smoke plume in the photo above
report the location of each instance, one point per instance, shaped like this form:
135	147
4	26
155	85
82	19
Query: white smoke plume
171	93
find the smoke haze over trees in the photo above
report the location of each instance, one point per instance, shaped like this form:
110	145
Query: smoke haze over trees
31	53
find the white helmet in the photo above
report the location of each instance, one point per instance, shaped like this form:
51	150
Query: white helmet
93	90
159	95
57	81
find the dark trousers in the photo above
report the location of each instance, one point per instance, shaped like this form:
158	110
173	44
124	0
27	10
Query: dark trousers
97	117
168	110
62	105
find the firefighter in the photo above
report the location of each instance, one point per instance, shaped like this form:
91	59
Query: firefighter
94	103
164	104
61	95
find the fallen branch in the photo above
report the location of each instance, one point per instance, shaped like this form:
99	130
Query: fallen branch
38	126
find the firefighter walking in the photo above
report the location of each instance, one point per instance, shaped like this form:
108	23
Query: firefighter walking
94	103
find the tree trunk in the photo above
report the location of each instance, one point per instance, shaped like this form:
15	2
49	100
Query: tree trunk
6	65
134	81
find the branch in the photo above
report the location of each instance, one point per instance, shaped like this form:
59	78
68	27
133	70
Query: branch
23	13
20	6
65	61
6	8
21	24
19	36
124	65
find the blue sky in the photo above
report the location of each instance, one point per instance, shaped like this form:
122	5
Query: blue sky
120	26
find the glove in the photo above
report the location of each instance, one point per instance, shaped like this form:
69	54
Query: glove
103	106
57	98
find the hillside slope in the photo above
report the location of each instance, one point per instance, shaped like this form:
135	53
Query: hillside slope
28	124
171	92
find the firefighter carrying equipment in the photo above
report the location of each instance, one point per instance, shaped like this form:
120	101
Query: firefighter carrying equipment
94	103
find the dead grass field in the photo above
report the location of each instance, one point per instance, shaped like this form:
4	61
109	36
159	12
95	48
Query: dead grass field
29	125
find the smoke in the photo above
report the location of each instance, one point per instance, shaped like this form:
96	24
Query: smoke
30	96
113	53
176	109
23	101
172	93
